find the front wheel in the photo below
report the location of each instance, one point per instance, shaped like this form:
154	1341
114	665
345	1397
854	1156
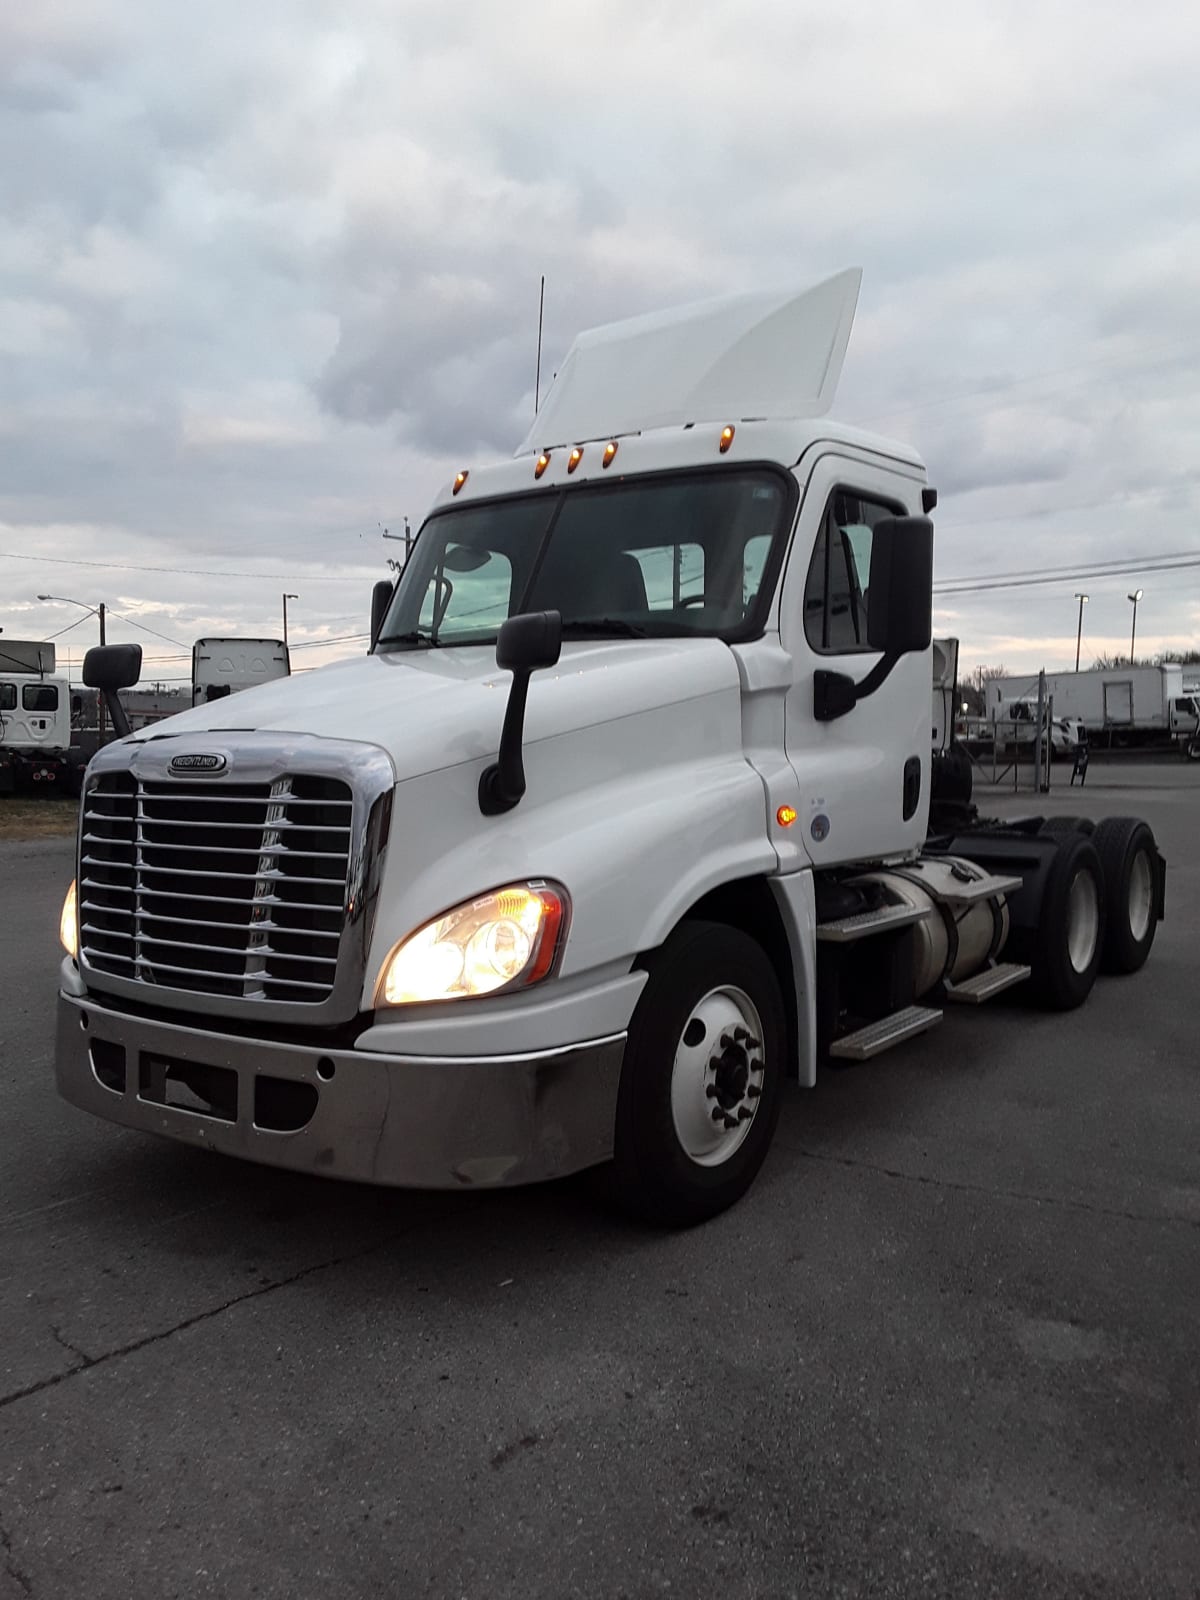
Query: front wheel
701	1082
1191	749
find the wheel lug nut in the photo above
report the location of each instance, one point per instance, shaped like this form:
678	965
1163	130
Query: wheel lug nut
753	1091
744	1114
718	1115
711	1091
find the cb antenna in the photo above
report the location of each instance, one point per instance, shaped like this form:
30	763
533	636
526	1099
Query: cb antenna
537	382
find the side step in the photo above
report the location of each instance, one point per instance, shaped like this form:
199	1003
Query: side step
984	985
882	920
879	1036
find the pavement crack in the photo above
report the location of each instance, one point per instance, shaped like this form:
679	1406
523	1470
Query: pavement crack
119	1351
1023	1195
10	1564
81	1356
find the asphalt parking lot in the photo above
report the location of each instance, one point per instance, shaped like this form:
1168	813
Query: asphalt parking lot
946	1346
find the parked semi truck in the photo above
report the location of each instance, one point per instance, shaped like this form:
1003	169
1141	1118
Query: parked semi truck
1122	706
624	821
227	666
35	720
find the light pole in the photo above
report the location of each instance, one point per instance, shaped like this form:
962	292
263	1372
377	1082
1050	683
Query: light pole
1135	597
1083	600
95	611
286	598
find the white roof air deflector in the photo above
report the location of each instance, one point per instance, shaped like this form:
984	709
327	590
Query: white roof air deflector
748	355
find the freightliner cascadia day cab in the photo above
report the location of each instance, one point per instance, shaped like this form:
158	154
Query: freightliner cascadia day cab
623	821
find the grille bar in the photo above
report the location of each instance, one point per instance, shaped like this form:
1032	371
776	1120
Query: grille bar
239	891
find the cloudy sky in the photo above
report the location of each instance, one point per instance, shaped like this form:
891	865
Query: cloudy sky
269	273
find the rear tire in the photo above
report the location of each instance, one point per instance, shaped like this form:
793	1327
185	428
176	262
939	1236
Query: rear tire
1129	862
677	1161
1064	948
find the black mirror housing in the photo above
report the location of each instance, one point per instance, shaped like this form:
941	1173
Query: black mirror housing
524	643
529	641
900	612
109	667
381	598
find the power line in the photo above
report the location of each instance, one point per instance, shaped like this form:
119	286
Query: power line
134	623
1129	570
189	572
1073	570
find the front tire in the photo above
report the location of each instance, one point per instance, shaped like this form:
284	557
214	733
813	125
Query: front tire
703	1073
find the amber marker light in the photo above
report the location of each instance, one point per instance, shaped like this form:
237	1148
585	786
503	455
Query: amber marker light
543	461
574	459
726	439
459	481
610	450
785	816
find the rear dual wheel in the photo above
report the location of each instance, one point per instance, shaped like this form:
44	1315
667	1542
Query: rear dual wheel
1129	862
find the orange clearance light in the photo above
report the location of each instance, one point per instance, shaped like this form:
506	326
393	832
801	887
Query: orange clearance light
726	439
610	450
785	816
574	459
459	481
543	461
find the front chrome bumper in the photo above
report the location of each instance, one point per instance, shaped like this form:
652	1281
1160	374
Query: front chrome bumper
418	1121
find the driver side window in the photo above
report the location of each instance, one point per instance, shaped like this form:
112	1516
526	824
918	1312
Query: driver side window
837	593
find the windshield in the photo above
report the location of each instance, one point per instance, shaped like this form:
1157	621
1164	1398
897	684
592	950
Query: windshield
680	554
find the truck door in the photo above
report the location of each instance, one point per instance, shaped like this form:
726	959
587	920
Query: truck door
1118	702
863	777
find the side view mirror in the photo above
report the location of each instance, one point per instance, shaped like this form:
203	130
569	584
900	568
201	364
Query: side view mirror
381	596
109	667
899	613
523	644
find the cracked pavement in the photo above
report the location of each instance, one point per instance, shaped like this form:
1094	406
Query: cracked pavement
947	1346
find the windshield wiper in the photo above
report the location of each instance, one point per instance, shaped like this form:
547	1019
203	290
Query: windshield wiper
602	627
415	637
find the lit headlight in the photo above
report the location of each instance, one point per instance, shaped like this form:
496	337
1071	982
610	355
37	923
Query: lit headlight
504	940
68	924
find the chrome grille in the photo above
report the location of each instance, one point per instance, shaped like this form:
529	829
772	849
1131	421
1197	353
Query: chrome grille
231	889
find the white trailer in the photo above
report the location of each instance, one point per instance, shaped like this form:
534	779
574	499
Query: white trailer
1114	705
227	666
625	818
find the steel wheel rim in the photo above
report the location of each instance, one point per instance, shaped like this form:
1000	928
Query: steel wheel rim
717	1076
1083	920
1141	896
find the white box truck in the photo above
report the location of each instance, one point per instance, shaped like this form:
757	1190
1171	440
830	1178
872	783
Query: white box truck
1116	706
35	720
623	822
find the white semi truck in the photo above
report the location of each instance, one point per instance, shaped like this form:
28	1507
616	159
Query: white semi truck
1120	706
624	821
35	720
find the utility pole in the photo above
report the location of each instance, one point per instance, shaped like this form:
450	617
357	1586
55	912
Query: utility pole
1083	600
408	542
286	598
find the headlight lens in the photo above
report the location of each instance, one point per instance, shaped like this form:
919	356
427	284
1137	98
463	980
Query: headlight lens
68	924
507	939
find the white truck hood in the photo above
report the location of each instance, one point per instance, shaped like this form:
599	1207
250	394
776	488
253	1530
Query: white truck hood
438	708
